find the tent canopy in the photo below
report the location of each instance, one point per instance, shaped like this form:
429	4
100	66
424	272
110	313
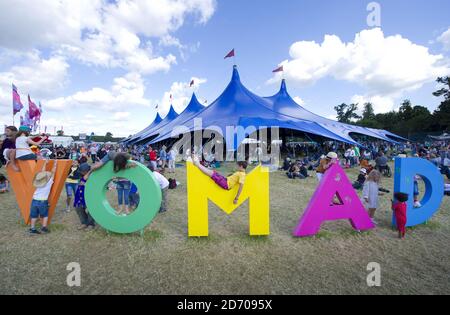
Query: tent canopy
150	132
237	106
283	103
193	108
155	123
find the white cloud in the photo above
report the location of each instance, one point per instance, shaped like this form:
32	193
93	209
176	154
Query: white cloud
41	78
181	95
126	92
121	116
385	66
383	104
444	39
299	100
100	32
38	77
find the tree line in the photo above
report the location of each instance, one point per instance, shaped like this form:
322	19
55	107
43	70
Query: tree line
410	119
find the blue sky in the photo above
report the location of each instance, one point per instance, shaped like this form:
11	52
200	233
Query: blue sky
140	52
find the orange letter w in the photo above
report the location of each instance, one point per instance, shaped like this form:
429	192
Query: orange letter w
22	184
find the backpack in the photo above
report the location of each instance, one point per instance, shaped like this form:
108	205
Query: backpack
172	183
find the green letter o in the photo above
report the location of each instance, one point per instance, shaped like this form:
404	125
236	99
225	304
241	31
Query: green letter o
102	212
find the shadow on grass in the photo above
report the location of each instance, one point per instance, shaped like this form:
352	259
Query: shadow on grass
345	234
147	236
431	225
53	227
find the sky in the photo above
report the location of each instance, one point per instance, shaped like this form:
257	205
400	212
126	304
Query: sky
108	66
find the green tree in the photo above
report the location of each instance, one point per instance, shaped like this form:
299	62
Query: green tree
442	114
445	91
60	133
368	117
406	110
347	113
108	136
368	112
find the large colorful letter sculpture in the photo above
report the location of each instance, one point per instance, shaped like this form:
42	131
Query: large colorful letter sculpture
321	207
22	184
405	171
105	215
201	189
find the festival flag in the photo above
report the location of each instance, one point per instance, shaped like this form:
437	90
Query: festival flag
279	69
230	54
17	104
33	109
192	83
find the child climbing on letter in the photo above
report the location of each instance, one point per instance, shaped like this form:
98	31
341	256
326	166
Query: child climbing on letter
238	178
43	182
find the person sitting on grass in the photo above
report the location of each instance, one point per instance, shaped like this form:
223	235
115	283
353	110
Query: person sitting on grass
326	163
4	184
294	172
86	220
303	170
359	183
286	164
447	188
238	178
164	185
43	182
399	207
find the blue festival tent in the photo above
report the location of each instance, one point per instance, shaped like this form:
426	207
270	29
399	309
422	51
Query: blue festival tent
193	108
283	103
155	123
237	106
150	132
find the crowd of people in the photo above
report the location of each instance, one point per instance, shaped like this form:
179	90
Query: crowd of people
18	145
372	159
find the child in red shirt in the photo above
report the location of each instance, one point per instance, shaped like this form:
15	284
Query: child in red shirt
399	207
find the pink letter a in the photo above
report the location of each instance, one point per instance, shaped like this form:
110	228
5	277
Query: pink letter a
321	207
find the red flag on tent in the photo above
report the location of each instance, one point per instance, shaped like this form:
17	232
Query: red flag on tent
34	111
279	69
230	54
192	83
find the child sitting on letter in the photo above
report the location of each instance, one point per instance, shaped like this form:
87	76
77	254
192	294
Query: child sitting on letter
238	178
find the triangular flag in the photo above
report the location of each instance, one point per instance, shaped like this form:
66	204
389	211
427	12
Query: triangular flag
230	54
279	69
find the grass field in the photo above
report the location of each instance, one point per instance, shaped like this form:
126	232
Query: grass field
165	261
